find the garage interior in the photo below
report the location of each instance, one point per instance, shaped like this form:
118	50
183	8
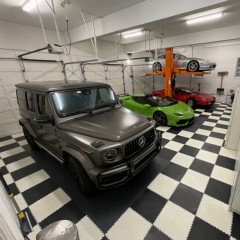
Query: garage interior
187	191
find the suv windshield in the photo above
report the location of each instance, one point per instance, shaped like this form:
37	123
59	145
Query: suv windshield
83	100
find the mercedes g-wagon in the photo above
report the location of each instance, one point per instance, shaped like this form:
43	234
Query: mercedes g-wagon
84	125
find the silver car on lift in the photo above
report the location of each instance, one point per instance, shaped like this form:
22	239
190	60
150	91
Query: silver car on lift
184	63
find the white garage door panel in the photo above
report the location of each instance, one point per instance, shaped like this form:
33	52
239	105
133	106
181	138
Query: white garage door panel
35	76
7	116
7	53
2	91
9	128
9	66
11	90
9	77
13	102
5	103
53	76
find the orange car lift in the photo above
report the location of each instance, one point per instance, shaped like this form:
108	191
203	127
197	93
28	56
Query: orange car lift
169	70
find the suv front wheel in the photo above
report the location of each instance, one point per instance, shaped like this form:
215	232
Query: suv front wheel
85	184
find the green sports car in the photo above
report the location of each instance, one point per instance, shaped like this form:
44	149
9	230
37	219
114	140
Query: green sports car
165	110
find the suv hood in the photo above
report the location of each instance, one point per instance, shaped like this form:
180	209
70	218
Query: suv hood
114	125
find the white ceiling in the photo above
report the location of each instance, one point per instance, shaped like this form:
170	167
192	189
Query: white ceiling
10	10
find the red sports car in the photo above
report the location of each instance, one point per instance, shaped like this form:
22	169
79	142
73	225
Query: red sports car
189	97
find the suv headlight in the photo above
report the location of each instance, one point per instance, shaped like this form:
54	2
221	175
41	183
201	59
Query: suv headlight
110	155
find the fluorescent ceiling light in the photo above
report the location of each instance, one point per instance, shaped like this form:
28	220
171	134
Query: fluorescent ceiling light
132	34
205	18
30	5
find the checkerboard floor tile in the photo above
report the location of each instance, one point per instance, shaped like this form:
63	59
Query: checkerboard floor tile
182	194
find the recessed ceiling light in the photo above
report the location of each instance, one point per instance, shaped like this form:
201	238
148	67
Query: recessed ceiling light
205	18
133	33
30	5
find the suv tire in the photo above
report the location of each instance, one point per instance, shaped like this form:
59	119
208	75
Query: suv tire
85	184
30	139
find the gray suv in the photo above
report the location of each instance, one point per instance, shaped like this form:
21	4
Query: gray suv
85	126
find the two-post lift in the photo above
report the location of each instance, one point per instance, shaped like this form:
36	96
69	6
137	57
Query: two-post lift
169	70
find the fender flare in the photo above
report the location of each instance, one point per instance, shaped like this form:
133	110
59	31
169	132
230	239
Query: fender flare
25	123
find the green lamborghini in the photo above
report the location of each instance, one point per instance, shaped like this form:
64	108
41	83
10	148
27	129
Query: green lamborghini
165	110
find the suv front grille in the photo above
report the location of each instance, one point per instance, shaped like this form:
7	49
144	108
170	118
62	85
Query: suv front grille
133	146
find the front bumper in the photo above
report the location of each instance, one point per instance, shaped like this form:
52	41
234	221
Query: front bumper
120	174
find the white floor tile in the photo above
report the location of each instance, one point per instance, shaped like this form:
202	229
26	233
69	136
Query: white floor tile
23	142
203	132
7	142
20	164
220	108
186	134
18	135
21	201
175	146
194	143
8	178
182	160
199	110
226	116
36	229
223	122
209	124
207	156
196	114
87	230
168	136
215	141
195	180
31	180
49	204
228	153
227	111
215	213
214	117
220	130
217	112
163	128
223	174
163	186
11	152
130	226
174	221
206	113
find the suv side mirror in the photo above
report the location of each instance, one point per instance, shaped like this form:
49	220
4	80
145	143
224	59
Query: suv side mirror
42	119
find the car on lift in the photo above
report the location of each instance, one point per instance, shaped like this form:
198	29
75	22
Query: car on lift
184	63
192	99
83	125
165	110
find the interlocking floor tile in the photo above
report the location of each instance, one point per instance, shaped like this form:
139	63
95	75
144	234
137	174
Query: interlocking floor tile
226	162
202	167
223	174
174	227
155	233
215	213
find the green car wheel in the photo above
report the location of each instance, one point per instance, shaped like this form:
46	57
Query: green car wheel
160	118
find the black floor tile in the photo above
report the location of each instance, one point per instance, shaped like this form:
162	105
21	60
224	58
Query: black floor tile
221	126
149	205
174	130
3	170
14	189
219	190
23	172
174	171
39	191
68	212
156	234
15	157
8	147
211	148
206	128
202	230
217	135
167	154
226	162
187	198
235	226
199	137
180	139
5	138
202	167
18	139
189	151
164	142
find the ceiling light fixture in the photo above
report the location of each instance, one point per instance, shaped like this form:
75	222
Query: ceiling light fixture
132	34
205	18
30	5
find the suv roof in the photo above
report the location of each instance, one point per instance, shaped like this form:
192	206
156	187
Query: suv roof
58	85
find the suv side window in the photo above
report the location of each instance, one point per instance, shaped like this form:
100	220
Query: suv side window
30	102
41	104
